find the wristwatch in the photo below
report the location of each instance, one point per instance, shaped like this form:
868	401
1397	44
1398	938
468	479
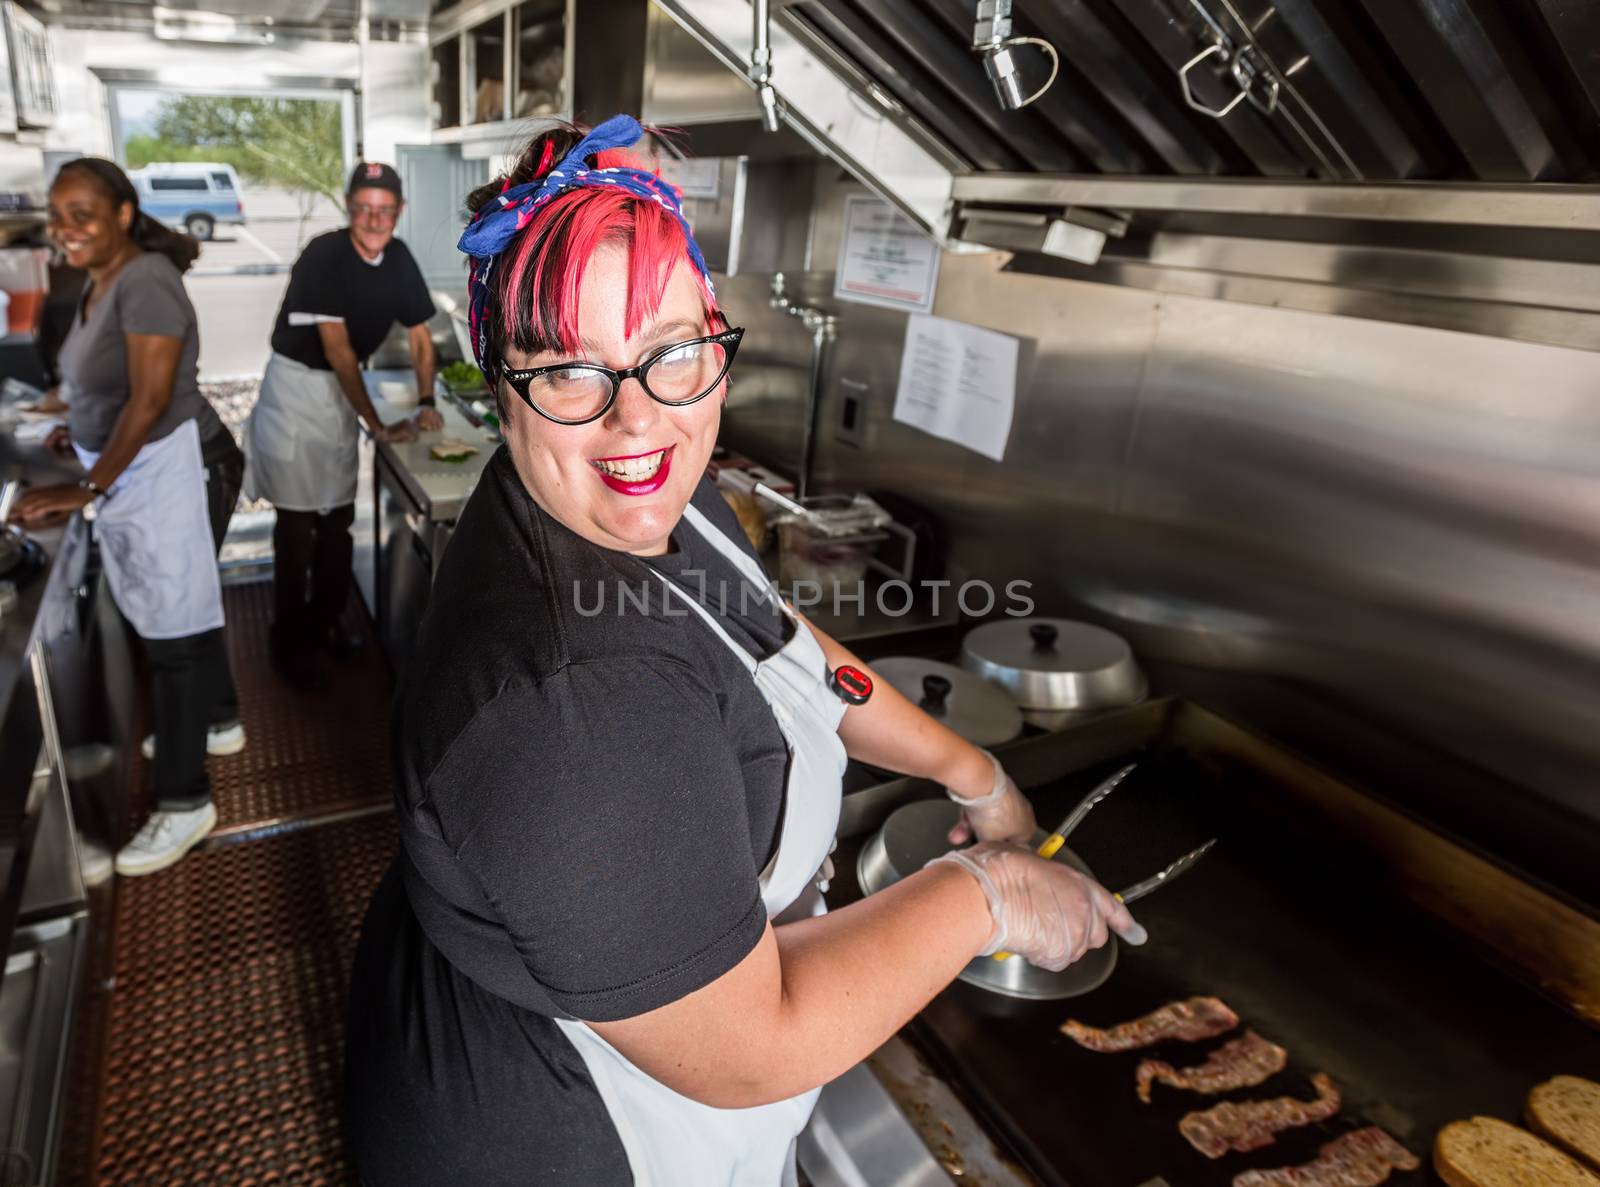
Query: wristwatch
93	487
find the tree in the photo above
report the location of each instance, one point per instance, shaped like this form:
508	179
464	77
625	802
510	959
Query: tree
295	143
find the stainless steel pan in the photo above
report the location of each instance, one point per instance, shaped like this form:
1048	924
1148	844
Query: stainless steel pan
917	833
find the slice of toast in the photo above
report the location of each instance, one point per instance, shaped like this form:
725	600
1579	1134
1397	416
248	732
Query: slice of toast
1566	1110
1486	1152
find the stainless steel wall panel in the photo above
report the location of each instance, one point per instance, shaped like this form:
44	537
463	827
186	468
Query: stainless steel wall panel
766	400
684	83
1373	539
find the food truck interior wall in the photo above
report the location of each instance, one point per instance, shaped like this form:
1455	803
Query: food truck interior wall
1372	540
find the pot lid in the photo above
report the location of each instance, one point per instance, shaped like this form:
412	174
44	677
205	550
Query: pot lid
918	832
1055	663
977	710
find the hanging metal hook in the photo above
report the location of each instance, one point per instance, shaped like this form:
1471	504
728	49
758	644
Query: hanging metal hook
1247	73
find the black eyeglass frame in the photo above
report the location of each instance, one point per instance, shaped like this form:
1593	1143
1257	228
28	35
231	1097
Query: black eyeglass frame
518	381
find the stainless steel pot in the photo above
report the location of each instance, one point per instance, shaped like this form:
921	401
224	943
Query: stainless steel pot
919	832
980	712
1055	663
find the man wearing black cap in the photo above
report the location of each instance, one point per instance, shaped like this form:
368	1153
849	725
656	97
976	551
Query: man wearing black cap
345	291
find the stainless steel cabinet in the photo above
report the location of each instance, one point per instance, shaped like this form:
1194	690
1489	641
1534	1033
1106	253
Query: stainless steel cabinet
409	546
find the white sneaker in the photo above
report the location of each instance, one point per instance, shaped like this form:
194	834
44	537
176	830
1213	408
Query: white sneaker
164	839
220	740
94	862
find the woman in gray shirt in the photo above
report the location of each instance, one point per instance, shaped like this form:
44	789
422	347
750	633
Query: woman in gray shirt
161	476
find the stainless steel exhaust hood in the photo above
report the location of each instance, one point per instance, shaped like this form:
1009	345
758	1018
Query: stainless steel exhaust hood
1206	132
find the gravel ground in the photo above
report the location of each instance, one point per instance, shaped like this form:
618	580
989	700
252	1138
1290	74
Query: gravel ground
233	399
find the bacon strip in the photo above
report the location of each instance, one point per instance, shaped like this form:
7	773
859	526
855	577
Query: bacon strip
1362	1158
1192	1020
1246	1061
1252	1124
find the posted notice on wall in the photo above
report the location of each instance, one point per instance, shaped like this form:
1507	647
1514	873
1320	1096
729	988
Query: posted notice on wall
884	259
695	177
958	382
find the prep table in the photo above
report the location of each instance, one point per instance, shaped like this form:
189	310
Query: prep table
407	504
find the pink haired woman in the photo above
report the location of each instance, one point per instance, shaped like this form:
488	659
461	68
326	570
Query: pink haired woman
602	956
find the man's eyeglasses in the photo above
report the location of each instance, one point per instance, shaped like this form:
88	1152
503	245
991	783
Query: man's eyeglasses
676	375
378	214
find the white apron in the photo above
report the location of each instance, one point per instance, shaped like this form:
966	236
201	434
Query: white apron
672	1141
300	440
154	533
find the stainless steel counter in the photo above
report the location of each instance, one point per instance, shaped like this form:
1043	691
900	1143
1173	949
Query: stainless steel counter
439	489
43	917
407	505
42	591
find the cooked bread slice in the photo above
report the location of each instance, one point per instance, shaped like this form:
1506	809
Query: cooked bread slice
1486	1152
1566	1110
451	450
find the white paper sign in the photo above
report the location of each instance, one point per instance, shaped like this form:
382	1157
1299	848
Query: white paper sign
958	382
884	259
695	177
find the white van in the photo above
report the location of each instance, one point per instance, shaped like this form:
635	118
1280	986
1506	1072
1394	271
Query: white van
193	196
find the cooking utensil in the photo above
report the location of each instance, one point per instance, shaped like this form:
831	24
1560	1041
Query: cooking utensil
977	710
1105	787
1052	844
917	833
1156	881
1055	663
1138	890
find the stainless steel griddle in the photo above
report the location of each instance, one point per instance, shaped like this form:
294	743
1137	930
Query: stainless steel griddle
1291	928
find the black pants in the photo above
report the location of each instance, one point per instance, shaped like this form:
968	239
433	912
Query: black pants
311	572
192	685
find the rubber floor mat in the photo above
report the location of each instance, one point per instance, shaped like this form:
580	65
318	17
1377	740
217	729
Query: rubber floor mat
306	754
212	1054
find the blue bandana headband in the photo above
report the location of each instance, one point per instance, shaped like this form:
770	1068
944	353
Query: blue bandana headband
497	222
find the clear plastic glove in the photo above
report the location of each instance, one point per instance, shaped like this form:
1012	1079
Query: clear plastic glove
1003	815
1044	911
401	432
429	419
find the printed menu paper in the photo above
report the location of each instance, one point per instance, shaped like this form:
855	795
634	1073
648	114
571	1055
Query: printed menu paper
884	259
958	382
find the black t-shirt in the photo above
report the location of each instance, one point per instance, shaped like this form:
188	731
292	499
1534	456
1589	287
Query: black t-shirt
587	790
331	282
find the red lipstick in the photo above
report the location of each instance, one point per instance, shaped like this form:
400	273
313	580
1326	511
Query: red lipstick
649	486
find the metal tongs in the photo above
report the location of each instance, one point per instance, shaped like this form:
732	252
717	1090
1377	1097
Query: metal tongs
1053	843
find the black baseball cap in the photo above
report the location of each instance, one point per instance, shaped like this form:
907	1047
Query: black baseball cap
375	175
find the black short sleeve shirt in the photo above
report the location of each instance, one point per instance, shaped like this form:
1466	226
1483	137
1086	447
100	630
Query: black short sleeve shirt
587	790
332	282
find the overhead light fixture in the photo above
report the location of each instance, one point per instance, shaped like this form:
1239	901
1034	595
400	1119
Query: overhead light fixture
176	24
991	37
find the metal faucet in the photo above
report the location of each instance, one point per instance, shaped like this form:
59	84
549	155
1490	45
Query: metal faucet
821	325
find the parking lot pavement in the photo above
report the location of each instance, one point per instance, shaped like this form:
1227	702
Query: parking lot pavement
261	245
236	315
